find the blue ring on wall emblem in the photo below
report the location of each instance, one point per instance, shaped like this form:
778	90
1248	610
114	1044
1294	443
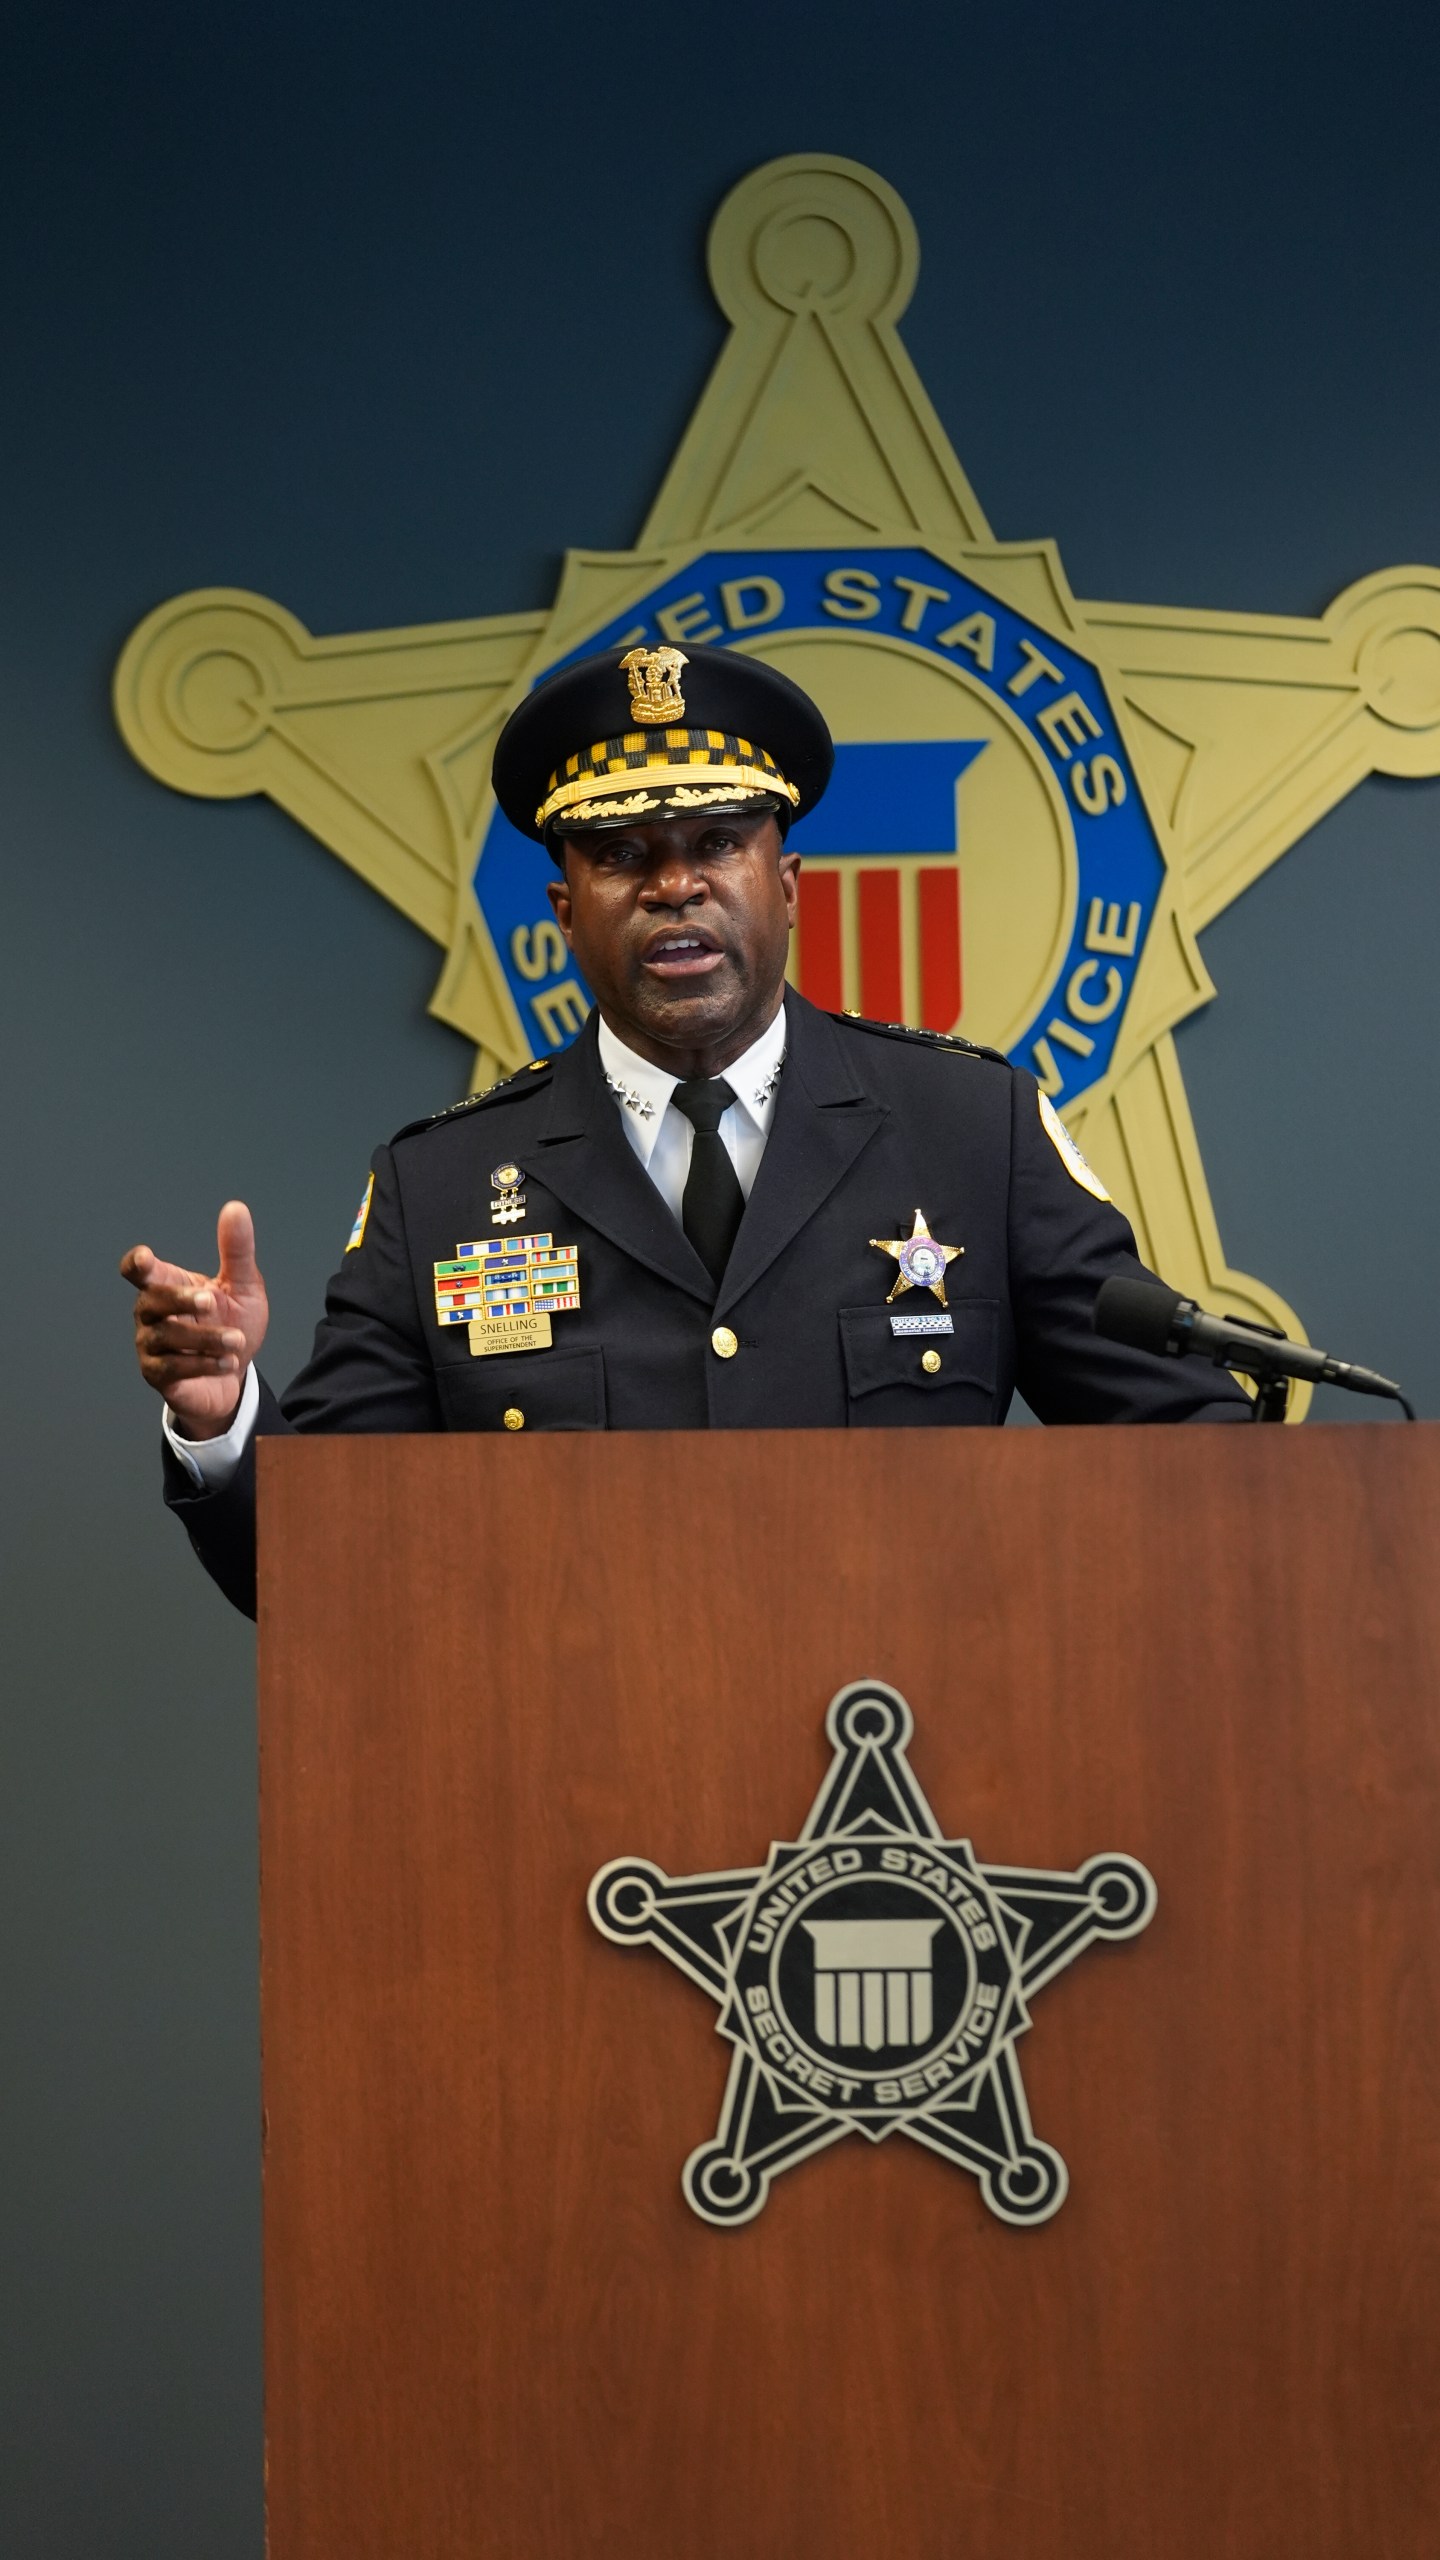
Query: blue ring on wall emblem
983	861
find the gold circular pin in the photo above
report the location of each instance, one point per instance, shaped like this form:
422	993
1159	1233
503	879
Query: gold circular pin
514	1418
930	1360
505	1177
723	1343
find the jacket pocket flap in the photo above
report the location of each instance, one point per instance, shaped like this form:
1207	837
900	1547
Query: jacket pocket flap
877	1357
553	1390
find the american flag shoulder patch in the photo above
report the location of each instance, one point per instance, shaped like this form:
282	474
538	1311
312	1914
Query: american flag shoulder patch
357	1232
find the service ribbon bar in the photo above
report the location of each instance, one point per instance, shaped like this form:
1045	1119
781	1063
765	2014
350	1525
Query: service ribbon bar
505	1276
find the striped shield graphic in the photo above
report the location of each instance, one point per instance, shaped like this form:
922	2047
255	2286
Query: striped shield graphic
881	927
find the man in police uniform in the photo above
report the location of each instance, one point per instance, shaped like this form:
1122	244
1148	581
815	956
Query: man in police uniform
722	1208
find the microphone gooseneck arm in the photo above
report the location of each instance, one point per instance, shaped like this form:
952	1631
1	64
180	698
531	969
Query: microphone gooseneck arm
1147	1316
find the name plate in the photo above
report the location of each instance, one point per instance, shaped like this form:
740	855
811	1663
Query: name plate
921	1324
489	1334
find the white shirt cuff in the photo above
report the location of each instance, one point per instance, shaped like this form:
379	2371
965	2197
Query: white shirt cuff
210	1464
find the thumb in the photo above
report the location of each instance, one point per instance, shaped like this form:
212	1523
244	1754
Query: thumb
235	1236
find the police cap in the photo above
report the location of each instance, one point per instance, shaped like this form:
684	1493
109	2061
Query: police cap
635	735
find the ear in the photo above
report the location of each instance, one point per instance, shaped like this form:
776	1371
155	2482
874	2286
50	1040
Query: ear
558	893
789	869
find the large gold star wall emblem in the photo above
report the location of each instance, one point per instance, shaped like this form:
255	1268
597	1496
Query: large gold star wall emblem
1237	731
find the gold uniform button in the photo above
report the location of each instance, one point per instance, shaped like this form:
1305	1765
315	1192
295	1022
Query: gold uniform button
724	1343
514	1418
930	1360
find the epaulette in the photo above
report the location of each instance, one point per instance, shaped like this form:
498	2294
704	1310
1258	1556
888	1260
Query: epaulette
472	1101
928	1039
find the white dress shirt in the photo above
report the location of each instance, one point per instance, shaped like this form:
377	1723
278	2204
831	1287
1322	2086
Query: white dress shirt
662	1138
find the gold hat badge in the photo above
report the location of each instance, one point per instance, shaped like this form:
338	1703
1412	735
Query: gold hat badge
655	694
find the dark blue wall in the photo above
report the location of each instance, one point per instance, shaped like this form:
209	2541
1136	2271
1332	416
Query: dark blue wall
286	291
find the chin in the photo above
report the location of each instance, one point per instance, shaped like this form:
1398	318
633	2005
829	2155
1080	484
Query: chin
705	1003
693	1018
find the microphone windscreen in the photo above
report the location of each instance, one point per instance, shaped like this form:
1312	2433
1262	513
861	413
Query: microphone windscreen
1138	1312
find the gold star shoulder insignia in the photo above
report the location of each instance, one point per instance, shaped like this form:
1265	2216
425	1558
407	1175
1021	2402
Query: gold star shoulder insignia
922	1260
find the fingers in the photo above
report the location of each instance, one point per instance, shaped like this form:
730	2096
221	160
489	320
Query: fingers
196	1300
235	1237
166	1332
174	1343
140	1267
237	1277
174	1348
167	1370
177	1368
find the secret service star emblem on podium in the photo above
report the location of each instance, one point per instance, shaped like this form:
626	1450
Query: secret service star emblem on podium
873	1977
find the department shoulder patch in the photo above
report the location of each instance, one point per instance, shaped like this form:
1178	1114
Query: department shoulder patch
1066	1149
927	1039
357	1232
473	1101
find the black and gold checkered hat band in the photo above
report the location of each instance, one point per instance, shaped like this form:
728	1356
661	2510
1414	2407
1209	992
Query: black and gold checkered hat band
660	773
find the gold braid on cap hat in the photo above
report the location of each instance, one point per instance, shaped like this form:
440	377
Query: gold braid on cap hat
673	769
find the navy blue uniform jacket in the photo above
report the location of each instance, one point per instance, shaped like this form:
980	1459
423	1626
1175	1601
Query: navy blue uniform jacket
869	1124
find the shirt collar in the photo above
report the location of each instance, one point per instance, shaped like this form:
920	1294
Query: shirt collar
643	1091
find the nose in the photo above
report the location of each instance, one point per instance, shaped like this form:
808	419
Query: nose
675	879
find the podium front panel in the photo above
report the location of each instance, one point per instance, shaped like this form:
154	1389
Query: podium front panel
494	2325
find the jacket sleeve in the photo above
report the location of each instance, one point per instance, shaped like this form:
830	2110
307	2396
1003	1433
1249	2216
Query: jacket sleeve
1064	1241
369	1370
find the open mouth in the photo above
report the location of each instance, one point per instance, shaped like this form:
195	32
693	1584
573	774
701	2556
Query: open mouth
682	955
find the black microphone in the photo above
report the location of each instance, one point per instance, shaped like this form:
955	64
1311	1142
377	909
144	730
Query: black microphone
1149	1317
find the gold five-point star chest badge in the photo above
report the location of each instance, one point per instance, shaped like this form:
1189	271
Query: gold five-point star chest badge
921	1258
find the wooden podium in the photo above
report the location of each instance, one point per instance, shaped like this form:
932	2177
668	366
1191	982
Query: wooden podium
493	2324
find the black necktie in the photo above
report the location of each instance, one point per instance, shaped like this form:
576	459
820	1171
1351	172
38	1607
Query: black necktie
714	1202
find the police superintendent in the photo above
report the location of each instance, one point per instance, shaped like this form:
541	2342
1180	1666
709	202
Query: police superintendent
739	1175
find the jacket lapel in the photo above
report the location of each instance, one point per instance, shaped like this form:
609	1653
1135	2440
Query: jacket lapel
585	1158
824	1119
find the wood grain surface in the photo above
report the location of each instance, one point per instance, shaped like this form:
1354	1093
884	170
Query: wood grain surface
492	2324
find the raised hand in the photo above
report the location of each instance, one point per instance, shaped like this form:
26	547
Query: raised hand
195	1337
